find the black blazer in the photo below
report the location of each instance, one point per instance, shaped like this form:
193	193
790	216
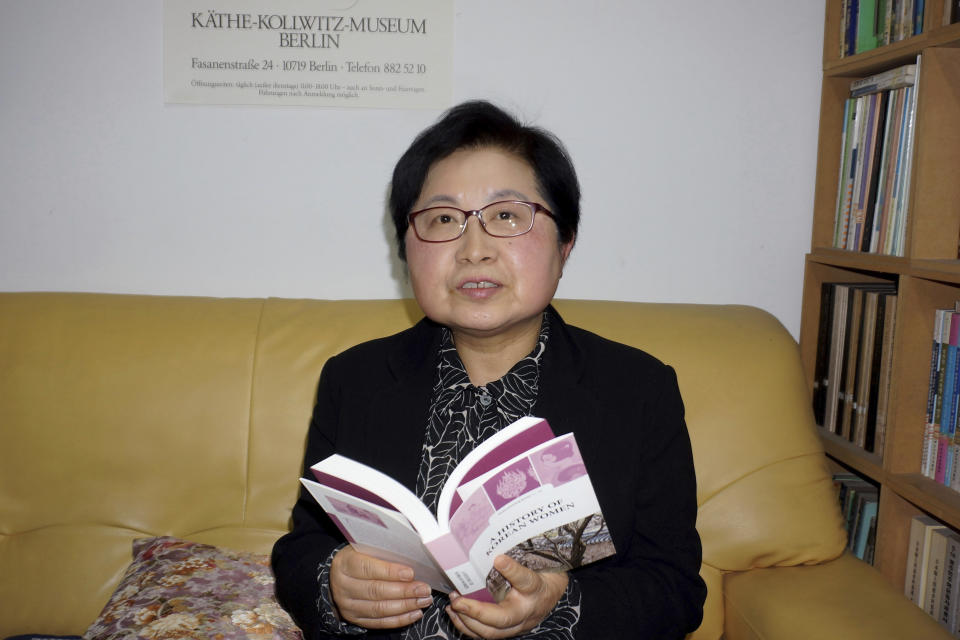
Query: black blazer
624	407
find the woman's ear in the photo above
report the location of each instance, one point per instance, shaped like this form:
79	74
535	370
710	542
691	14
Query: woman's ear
565	249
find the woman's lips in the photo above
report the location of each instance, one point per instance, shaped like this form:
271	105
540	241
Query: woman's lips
479	288
482	284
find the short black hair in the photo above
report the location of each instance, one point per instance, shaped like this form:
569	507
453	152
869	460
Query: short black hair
477	124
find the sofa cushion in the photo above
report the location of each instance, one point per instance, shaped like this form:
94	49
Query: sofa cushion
175	588
792	603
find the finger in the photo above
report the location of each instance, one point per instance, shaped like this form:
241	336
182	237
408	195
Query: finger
362	566
386	608
391	622
383	591
458	623
485	617
521	578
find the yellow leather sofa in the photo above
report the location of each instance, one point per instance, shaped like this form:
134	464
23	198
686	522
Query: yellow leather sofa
130	416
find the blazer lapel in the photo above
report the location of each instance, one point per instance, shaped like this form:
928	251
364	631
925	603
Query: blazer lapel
412	366
566	399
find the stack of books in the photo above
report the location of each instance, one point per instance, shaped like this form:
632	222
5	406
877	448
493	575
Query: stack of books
940	459
875	161
858	504
854	361
868	24
933	571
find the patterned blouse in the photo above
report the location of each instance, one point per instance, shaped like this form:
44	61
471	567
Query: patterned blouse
461	416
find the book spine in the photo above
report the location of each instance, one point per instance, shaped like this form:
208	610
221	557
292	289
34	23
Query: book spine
933	591
914	550
866	26
931	428
878	133
951	420
866	521
904	200
886	369
823	353
951	586
844	186
946	402
891	137
450	556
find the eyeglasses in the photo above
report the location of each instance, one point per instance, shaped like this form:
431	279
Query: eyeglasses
505	219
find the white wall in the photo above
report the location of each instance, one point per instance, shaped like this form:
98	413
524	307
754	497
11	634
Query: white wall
692	124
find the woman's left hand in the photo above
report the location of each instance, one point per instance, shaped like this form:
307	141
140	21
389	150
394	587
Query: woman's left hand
532	597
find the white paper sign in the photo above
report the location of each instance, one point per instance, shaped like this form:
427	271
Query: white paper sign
332	53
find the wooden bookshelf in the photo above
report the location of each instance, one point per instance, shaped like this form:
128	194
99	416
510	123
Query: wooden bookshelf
927	276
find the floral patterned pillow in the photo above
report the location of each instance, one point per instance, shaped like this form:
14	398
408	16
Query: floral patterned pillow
178	589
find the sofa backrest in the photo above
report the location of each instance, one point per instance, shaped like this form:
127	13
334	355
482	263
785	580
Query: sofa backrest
126	416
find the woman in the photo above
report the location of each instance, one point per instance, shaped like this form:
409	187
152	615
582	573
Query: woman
486	212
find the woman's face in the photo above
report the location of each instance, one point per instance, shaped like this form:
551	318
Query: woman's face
477	284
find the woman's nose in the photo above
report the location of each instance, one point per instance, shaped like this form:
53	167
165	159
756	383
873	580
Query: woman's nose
476	245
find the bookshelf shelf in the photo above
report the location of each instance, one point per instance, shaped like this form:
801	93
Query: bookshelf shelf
927	276
863	462
941	502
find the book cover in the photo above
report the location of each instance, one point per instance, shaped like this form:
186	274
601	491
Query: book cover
522	492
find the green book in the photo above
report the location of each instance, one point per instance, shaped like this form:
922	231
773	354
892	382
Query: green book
867	26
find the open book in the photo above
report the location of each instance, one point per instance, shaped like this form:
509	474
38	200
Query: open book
522	492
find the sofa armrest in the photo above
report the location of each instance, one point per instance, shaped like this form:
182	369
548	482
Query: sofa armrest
844	598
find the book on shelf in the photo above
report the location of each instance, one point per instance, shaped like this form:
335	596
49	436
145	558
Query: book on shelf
951	12
868	24
918	555
853	361
522	492
865	37
875	164
940	457
859	500
903	76
936	560
950	603
875	370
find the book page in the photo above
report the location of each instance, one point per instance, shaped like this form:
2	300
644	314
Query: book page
378	532
511	441
371	485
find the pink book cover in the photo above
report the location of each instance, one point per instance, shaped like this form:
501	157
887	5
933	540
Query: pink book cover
537	434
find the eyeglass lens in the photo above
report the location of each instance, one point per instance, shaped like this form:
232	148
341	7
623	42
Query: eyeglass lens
502	219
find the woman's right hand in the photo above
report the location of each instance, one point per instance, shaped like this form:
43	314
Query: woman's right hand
375	594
